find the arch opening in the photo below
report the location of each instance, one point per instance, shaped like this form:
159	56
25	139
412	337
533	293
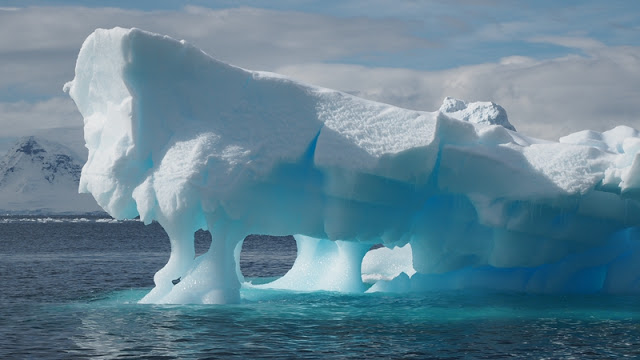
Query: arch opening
264	258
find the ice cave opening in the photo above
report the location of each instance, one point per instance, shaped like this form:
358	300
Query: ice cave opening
265	259
272	262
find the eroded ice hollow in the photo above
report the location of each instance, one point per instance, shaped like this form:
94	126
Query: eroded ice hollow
181	138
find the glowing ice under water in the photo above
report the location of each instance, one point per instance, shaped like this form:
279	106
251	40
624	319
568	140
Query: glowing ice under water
179	137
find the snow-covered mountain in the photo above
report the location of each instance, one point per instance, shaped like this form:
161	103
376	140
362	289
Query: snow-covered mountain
42	176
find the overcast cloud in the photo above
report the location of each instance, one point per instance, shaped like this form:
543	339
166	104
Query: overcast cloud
577	81
547	99
38	47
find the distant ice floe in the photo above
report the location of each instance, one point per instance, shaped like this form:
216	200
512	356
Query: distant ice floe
48	220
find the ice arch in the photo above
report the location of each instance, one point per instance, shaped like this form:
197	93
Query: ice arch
179	137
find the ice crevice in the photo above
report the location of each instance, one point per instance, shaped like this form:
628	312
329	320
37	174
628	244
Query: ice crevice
458	198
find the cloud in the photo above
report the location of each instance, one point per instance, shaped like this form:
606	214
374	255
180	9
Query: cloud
38	46
596	88
42	42
22	118
544	98
280	37
582	43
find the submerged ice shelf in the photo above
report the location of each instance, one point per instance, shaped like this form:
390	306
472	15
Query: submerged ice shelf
181	138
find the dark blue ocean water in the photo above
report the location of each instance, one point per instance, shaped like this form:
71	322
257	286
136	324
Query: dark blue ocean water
69	286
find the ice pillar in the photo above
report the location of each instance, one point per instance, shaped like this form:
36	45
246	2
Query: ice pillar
325	265
211	278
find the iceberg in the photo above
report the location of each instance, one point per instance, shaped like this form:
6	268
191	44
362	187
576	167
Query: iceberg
456	197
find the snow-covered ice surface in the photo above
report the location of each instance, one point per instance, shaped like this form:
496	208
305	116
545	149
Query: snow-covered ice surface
39	176
179	137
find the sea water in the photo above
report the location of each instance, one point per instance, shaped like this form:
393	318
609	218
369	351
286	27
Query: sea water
70	285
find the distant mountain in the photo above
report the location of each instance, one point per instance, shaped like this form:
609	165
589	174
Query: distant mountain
42	176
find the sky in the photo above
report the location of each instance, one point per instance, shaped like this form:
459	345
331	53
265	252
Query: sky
557	67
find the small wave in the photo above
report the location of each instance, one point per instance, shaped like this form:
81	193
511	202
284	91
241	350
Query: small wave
54	220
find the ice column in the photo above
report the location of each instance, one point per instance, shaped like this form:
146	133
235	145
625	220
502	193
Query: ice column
327	265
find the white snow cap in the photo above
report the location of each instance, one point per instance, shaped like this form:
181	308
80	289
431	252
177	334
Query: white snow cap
486	113
41	176
179	137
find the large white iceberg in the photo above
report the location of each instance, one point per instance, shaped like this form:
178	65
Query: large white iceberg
181	138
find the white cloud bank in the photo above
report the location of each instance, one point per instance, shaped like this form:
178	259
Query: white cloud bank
38	47
25	118
544	98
